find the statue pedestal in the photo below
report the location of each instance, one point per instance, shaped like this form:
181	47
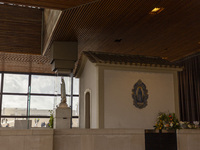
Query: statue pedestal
62	118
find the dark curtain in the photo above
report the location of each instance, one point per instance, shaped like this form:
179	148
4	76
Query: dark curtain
189	89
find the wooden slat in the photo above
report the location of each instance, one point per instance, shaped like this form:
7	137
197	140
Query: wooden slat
174	33
20	29
51	4
12	62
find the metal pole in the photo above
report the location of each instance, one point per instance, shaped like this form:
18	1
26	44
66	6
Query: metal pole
28	100
2	78
71	97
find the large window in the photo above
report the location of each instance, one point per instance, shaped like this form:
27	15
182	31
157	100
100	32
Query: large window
44	94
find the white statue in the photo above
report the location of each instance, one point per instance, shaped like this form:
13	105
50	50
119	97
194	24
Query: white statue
63	94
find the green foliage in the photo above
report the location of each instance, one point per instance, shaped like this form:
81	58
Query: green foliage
167	122
51	119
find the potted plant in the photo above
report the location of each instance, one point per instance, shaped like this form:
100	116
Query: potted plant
51	119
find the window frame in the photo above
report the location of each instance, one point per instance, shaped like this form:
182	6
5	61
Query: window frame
33	94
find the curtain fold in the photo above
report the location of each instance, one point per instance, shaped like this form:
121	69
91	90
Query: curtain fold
189	89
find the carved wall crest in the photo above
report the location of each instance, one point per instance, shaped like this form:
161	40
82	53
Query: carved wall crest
139	94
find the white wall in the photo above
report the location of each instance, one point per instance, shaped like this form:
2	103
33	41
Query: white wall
88	80
118	103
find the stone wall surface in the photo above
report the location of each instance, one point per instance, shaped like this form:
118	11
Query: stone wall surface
32	139
188	139
87	139
100	139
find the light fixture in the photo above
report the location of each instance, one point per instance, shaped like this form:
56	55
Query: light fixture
118	40
165	58
156	11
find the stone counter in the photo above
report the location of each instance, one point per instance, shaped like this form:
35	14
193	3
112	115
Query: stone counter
99	139
28	139
188	139
87	139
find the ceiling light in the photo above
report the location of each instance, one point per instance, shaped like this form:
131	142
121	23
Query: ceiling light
156	11
118	40
164	58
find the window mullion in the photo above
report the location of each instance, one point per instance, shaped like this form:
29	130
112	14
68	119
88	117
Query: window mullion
71	97
29	85
1	96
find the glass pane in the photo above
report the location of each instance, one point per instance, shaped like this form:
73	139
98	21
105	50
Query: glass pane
39	122
49	84
75	122
9	122
67	85
36	122
69	101
13	105
43	84
75	109
15	83
40	105
57	85
76	86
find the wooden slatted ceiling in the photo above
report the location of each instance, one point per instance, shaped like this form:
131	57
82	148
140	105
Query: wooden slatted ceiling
52	4
20	29
12	62
174	33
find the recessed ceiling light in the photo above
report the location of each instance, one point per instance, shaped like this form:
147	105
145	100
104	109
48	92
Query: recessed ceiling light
156	11
164	57
118	40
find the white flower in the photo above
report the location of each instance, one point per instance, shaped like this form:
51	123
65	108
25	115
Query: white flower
181	122
171	124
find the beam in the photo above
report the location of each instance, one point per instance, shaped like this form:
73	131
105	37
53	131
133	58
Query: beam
51	4
51	18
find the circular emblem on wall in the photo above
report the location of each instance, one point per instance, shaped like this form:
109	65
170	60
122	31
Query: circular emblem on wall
139	94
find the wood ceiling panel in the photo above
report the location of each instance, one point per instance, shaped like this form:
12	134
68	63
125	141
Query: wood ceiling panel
51	18
12	62
174	33
20	29
52	4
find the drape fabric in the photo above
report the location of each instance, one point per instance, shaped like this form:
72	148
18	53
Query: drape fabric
189	89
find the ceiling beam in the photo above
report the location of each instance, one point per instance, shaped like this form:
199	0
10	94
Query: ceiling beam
51	18
51	4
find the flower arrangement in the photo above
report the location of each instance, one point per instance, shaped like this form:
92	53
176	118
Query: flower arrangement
167	122
188	125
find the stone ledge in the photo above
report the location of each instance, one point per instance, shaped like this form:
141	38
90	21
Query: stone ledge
25	132
98	131
188	131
